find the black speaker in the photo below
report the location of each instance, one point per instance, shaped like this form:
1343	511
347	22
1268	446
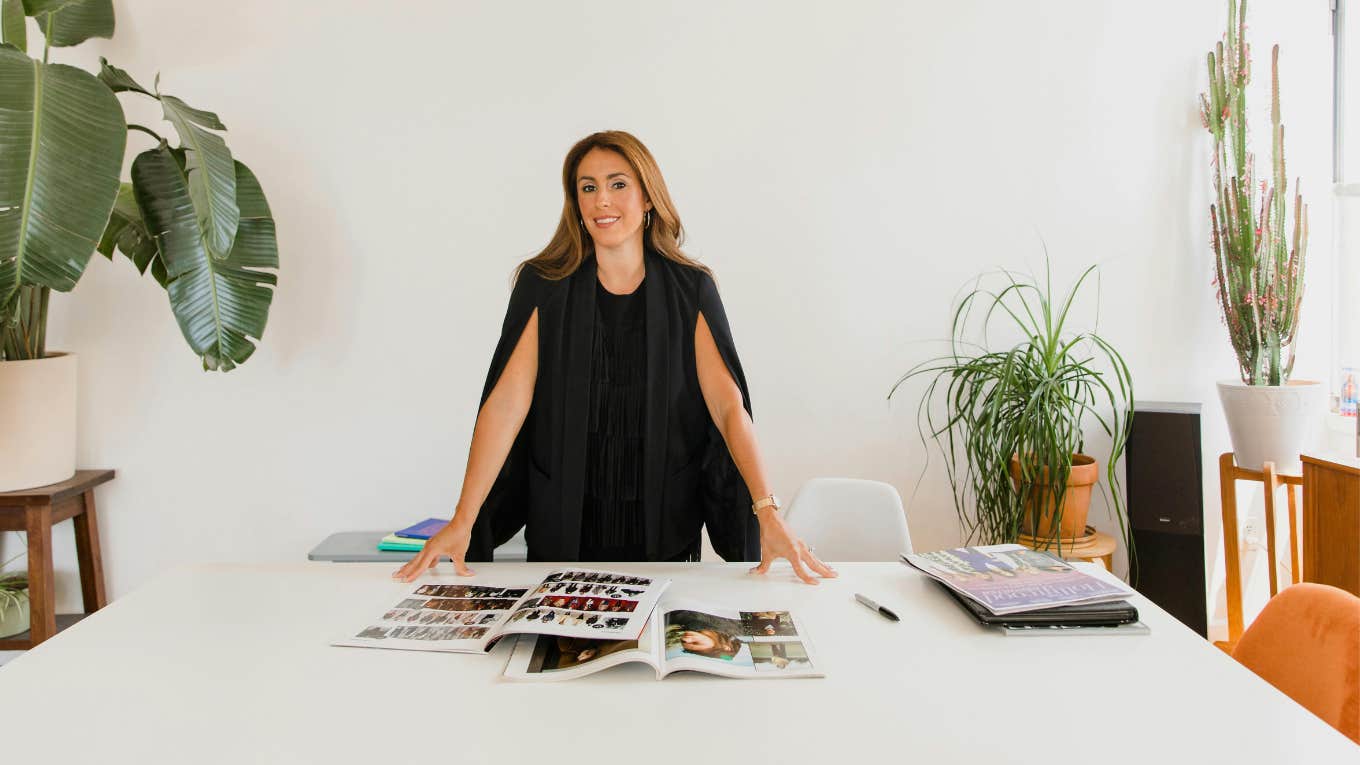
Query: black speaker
1165	483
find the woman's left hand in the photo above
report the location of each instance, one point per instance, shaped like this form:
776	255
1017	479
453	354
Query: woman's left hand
776	541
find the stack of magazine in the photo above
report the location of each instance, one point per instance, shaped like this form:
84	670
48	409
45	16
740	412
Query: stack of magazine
1026	592
575	622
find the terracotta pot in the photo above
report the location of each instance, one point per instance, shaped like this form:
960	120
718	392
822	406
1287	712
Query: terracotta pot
37	421
1076	500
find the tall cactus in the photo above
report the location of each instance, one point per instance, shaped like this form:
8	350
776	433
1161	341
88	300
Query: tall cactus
1258	270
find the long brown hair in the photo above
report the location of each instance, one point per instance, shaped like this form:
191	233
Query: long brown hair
570	244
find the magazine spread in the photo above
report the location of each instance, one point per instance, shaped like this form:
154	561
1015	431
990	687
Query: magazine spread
682	635
1008	579
468	618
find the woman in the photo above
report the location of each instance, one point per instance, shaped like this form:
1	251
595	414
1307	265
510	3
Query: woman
615	422
714	645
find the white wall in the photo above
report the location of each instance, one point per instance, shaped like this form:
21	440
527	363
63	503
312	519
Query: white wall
844	169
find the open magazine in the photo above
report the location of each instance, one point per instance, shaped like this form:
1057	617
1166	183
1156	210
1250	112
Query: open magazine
1008	579
468	618
682	635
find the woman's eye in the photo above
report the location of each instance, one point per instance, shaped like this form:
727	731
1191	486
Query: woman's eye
588	187
619	184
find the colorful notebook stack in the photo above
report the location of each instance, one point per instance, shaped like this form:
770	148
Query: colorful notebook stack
411	538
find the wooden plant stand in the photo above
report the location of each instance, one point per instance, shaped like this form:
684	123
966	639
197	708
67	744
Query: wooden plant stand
1090	546
1229	473
35	511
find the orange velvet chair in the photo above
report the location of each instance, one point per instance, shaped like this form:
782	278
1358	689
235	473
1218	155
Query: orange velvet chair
1306	642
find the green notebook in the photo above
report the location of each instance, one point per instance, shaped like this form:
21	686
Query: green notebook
394	543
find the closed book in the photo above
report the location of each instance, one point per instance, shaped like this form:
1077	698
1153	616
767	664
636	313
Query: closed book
423	530
392	542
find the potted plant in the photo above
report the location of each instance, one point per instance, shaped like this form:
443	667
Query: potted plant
13	603
1012	429
192	215
1258	264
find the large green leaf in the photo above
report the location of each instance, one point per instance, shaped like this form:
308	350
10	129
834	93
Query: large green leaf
212	177
219	303
127	232
14	23
71	22
119	80
61	148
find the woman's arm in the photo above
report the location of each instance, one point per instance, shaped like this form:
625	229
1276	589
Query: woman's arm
724	402
498	423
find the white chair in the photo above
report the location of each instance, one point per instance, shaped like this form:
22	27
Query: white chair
515	548
847	519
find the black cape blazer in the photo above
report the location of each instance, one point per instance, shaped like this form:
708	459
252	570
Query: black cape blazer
689	479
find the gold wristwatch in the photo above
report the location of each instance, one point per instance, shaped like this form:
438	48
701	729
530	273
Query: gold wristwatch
763	502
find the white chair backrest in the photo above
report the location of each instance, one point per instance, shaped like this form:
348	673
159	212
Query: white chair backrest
847	519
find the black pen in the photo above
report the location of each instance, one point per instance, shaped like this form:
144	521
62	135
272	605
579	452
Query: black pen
877	607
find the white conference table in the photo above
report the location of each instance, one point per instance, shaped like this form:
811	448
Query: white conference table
228	663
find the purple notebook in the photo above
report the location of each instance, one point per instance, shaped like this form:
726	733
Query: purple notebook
423	530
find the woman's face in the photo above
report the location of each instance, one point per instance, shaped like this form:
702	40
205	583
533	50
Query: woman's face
696	642
609	196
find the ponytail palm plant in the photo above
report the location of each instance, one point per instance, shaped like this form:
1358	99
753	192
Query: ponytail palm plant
1031	400
191	214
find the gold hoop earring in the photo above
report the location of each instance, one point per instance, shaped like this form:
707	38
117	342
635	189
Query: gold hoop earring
582	221
647	223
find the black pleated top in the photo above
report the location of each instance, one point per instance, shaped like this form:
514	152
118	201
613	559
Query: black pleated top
612	512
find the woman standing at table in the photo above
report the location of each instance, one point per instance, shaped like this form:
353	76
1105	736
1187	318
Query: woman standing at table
615	420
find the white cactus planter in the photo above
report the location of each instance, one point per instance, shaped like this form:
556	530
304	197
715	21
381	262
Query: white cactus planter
1272	423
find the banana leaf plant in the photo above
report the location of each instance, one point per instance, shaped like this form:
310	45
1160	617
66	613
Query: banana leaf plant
191	214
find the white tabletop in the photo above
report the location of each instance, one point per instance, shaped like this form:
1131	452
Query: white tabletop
230	663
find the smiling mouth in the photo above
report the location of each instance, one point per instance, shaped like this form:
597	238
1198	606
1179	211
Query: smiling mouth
602	222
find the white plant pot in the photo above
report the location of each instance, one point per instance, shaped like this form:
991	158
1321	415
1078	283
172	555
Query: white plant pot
1272	423
14	620
37	421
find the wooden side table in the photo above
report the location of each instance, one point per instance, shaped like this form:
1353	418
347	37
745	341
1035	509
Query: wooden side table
34	511
1331	521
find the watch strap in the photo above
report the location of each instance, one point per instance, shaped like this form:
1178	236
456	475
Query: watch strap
764	502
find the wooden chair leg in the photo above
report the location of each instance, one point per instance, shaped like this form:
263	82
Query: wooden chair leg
1295	571
42	598
87	552
1232	562
1271	484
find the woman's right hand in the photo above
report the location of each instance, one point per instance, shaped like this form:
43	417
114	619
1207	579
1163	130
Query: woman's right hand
452	540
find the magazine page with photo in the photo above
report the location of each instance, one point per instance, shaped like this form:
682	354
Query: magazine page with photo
684	636
471	618
549	657
1008	579
733	643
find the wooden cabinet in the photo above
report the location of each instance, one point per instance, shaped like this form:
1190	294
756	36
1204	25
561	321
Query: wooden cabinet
1331	521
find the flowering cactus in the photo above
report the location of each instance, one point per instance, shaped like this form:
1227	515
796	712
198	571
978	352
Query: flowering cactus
1258	271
